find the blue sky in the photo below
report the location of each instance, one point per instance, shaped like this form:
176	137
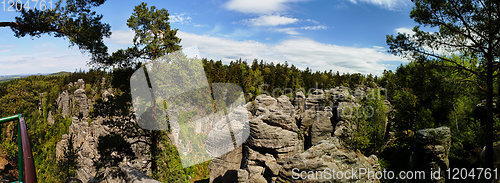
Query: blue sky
341	35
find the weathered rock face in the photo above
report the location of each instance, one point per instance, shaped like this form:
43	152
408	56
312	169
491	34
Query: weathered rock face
431	150
327	156
63	103
345	113
99	144
3	163
273	137
315	122
132	175
225	168
280	132
322	127
50	118
80	103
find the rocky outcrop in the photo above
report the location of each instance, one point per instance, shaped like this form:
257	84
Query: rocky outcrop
308	134
431	150
63	103
324	159
322	127
345	113
225	168
98	144
50	118
133	175
273	137
3	163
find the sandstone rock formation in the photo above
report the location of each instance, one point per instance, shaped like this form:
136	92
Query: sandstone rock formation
431	150
3	163
327	156
306	134
99	144
273	137
225	168
50	118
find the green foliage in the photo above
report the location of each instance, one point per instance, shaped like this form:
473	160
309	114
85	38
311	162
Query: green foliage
34	96
170	166
72	19
468	29
153	37
277	79
369	135
424	95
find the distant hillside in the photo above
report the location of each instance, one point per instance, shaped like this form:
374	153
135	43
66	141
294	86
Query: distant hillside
11	77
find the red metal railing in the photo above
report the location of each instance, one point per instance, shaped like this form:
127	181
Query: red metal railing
26	163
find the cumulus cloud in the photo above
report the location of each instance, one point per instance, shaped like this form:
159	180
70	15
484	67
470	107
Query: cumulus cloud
295	30
301	52
5	48
179	18
258	6
287	30
388	4
405	30
43	62
271	20
315	27
122	36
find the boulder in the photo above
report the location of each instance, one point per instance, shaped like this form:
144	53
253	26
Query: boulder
3	163
50	118
133	175
80	103
340	94
345	113
63	103
327	156
62	148
315	100
81	84
322	126
273	138
299	103
225	168
431	150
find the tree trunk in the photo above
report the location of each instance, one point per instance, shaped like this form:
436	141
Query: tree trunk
489	114
154	151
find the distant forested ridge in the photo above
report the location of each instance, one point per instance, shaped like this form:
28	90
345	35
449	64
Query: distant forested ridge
258	77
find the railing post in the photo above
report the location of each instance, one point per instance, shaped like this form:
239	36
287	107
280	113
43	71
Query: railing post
29	166
19	154
26	164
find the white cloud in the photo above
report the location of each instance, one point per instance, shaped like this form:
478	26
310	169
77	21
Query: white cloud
294	30
43	62
5	48
405	31
258	6
179	18
271	20
122	36
389	4
288	30
316	27
301	52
